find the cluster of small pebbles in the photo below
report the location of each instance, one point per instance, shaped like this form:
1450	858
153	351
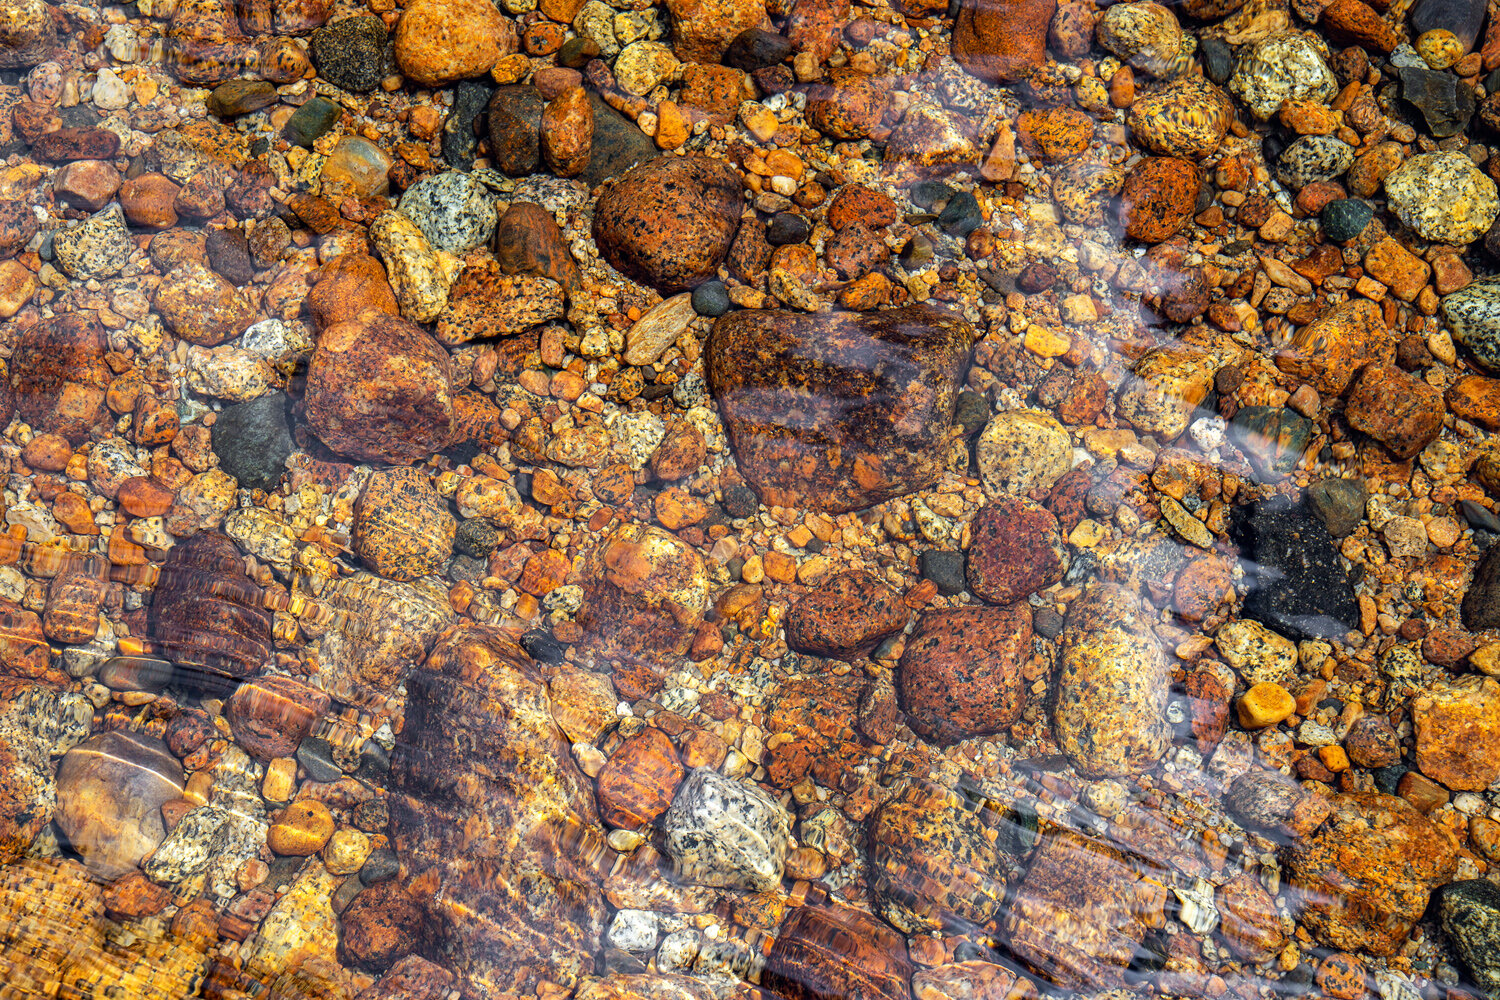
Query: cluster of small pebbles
734	499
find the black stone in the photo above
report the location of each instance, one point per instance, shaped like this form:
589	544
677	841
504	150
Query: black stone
462	567
381	866
374	762
1481	607
543	646
1338	503
1469	911
946	569
740	501
617	145
475	537
1298	585
1218	59
253	440
961	216
1345	218
1446	102
311	121
786	228
711	299
1462	17
229	255
316	754
1047	621
79	116
1479	517
755	48
971	411
515	130
1273	438
459	139
1388	778
350	54
930	194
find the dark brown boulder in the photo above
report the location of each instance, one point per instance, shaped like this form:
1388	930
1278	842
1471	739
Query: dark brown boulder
528	241
271	716
960	675
205	612
669	222
834	952
58	376
1002	41
838	411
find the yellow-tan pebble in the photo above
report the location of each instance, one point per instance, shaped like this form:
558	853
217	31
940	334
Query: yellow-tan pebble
301	830
1334	758
280	780
1265	705
1439	48
346	851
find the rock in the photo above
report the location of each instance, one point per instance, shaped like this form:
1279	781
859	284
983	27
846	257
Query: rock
1273	438
847	615
229	255
98	247
1299	586
1401	412
849	105
1112	687
568	132
1313	158
1469	911
460	140
1444	197
110	790
1281	67
1327	352
441	41
872	394
1017	551
1366	875
29	33
271	716
209	844
1020	451
711	299
36	724
58	377
312	121
402	527
201	307
1249	921
1093	884
1345	218
650	336
1158	198
380	389
1351	22
528	241
642	65
356	167
485	302
1186	120
514	118
722	832
1457	721
1170	381
1002	43
345	287
148	201
1338	503
253	440
400	623
669	222
1446	103
206	616
506	879
1473	315
24	650
350	53
420	275
1145	35
1275	803
240	97
639	780
702	30
1462	17
617	146
301	829
71	614
1258	654
68	144
960	675
87	184
829	950
453	210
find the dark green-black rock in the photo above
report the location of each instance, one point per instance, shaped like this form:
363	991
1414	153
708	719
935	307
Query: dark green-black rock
1345	218
755	48
1446	102
711	299
459	140
945	569
253	440
311	121
1218	59
1273	438
617	145
1338	503
1481	607
961	216
1297	583
1469	911
350	54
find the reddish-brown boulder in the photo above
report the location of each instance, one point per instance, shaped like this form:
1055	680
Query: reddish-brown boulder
1158	198
1017	551
845	615
960	675
1000	41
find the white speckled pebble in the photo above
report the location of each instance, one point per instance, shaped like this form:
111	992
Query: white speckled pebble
723	832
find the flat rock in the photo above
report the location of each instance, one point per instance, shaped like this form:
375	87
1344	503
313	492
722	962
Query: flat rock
846	615
1299	586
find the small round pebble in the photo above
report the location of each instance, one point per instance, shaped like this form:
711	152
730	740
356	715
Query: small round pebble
787	228
381	866
946	569
711	299
1345	218
302	829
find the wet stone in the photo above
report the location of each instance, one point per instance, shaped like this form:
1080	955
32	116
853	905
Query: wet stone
1469	911
960	675
350	53
1457	722
240	97
723	832
270	716
945	569
312	120
1281	67
1443	197
1299	586
253	440
1017	550
454	211
849	614
1446	104
1345	218
98	247
1002	42
110	791
1273	438
829	951
1338	503
470	97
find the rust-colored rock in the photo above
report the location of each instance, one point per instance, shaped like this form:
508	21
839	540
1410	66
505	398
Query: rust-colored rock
1002	42
1017	551
844	616
637	784
1458	731
271	716
346	286
1327	352
833	952
1351	22
960	675
1158	198
380	389
838	411
59	377
402	526
74	599
24	652
205	612
1401	412
669	222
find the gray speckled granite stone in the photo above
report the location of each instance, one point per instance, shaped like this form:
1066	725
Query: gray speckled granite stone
728	833
1473	315
1470	914
454	211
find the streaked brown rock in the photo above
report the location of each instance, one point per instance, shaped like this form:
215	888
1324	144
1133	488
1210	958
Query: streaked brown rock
1401	412
58	376
1002	42
271	716
637	783
831	952
402	527
205	611
110	791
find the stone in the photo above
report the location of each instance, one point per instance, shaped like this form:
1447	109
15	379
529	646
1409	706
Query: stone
1273	438
932	136
1401	412
1327	352
240	97
1344	219
1462	17
206	616
1265	705
441	41
504	875
1249	921
203	308
642	65
77	143
1443	197
345	287
460	140
649	337
960	675
639	780
110	790
420	274
402	527
58	377
399	624
1338	503
380	389
1158	198
1366	875
528	241
1298	585
1021	451
514	116
845	616
1352	22
866	430
848	105
1002	42
87	184
1469	911
228	255
1313	158
98	247
148	201
36	724
301	829
485	302
704	30
1285	66
453	210
1187	119
726	833
30	34
1457	722
1473	317
1256	653
253	440
568	132
669	223
270	716
1446	103
1017	550
617	146
1169	382
1112	687
1142	34
357	167
350	53
312	121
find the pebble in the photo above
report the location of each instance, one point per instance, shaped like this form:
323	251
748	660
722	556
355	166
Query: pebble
1469	911
240	97
1281	67
431	50
1002	44
350	53
1446	104
98	247
1343	219
301	829
1300	586
1256	653
1457	722
420	274
1189	119
110	789
1313	158
1158	198
1020	451
960	675
1145	35
1443	197
312	121
1017	550
722	832
453	210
